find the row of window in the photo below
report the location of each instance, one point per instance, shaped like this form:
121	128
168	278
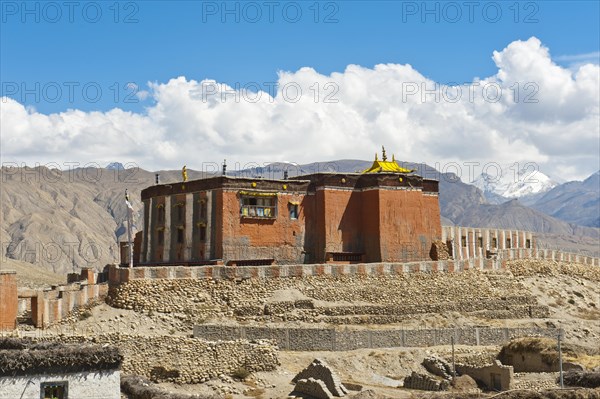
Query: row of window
180	235
250	207
264	207
180	213
179	218
463	241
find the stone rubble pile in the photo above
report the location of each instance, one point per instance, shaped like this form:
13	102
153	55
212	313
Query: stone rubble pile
533	267
529	381
319	381
439	251
425	382
438	366
474	357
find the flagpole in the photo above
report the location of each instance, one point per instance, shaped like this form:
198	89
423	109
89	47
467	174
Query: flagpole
129	224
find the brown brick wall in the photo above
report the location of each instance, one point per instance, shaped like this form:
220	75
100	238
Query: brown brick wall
280	238
342	220
371	224
8	300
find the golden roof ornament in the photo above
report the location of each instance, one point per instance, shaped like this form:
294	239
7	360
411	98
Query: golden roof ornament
184	173
385	166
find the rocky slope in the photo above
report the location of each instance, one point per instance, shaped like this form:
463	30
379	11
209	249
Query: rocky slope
576	202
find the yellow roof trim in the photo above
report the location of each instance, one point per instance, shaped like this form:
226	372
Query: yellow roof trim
257	194
386	167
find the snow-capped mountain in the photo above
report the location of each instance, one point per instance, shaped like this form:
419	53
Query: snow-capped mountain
513	181
115	166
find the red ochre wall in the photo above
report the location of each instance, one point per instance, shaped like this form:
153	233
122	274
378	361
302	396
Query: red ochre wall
409	223
371	222
384	225
280	238
8	300
342	229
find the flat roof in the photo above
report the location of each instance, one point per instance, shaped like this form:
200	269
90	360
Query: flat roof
25	357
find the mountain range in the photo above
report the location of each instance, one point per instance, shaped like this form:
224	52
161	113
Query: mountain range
523	181
64	220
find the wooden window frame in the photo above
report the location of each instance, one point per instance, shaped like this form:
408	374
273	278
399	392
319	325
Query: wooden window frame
49	384
256	207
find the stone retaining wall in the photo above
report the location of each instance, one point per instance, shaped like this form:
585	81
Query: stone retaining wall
387	314
183	360
332	339
119	275
347	299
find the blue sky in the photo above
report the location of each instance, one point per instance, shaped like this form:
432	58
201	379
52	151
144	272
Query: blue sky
102	81
157	40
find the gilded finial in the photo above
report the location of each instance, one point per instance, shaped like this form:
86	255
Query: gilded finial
184	173
385	166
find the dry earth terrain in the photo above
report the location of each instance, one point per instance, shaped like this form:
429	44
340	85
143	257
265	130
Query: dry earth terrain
570	291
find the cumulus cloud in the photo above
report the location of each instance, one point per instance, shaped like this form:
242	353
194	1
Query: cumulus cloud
531	110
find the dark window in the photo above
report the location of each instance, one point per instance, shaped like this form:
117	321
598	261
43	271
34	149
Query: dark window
463	241
293	211
180	211
54	390
494	242
202	233
480	242
259	207
161	237
161	214
203	209
180	236
528	243
508	243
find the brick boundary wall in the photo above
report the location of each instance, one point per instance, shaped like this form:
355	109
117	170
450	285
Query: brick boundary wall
332	339
49	307
119	275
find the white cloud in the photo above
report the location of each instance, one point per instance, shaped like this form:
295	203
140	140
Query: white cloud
585	58
546	114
